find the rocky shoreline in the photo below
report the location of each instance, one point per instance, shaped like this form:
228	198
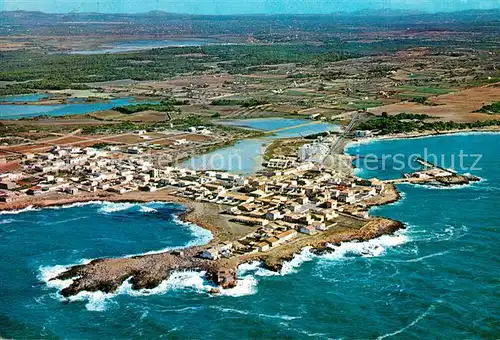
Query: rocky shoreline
148	271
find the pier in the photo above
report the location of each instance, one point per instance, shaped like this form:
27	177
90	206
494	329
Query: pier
433	174
428	165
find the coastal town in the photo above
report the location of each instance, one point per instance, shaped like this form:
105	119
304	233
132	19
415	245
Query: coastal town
250	170
290	198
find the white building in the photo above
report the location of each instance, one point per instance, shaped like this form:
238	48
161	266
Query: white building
211	254
314	152
309	230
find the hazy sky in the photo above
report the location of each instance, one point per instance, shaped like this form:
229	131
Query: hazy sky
241	6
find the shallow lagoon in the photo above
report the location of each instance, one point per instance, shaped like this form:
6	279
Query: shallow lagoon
22	98
245	157
17	111
138	45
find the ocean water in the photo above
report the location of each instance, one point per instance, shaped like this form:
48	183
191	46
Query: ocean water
438	278
17	111
245	157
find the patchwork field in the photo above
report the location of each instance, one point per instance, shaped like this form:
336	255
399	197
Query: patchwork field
191	137
457	106
144	116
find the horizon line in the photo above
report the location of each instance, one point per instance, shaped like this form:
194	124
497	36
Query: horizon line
406	12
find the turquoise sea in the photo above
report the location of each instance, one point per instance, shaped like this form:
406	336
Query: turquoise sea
439	278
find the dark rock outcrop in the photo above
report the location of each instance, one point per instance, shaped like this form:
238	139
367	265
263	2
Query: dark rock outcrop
148	271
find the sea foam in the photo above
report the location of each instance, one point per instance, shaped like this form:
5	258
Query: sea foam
47	273
248	273
147	209
195	281
372	248
19	211
111	207
189	281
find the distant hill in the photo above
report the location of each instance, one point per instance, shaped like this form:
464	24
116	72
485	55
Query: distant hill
159	22
31	15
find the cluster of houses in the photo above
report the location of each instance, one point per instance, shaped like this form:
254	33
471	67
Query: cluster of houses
73	169
307	200
280	202
263	239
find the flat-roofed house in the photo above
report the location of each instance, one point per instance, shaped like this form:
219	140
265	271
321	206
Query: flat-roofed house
224	246
263	246
287	235
318	225
272	241
274	215
211	254
308	229
239	197
251	220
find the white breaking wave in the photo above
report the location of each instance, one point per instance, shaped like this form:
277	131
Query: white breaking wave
247	285
55	207
191	280
255	267
74	205
248	267
186	280
49	272
107	207
95	301
371	248
15	212
201	235
440	187
291	266
195	281
148	209
111	207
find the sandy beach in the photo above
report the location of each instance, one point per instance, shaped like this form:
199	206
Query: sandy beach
422	134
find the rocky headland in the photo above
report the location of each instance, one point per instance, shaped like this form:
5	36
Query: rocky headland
149	270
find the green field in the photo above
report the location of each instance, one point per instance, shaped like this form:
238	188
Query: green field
302	94
364	104
422	91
